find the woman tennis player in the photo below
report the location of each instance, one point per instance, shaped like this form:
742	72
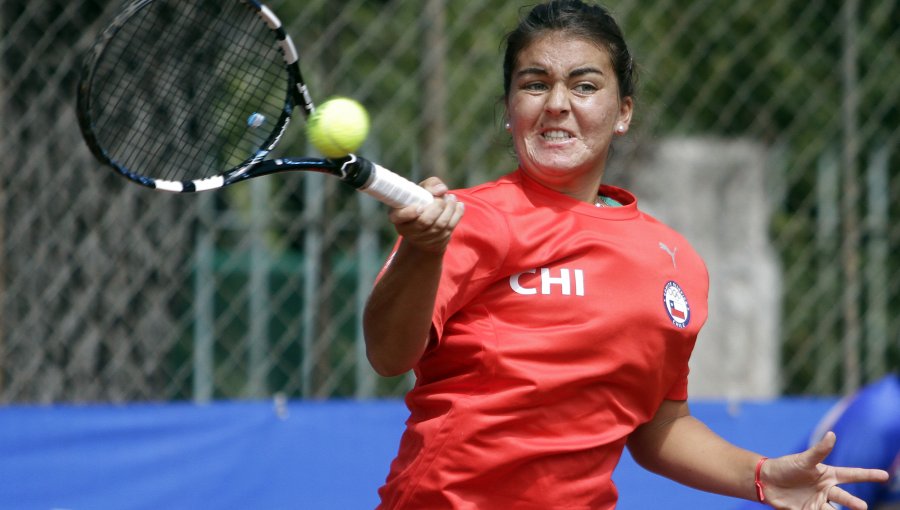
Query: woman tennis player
550	321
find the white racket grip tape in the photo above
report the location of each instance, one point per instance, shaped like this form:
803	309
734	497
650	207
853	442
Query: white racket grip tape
395	190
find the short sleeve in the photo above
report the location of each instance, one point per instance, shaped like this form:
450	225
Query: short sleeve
474	259
679	389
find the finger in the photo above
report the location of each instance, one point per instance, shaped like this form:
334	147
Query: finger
424	224
432	213
856	475
842	497
436	236
457	215
447	213
819	451
405	214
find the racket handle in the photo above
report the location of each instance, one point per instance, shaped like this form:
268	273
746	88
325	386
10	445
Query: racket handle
387	186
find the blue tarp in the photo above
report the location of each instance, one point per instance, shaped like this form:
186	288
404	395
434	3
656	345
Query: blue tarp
299	455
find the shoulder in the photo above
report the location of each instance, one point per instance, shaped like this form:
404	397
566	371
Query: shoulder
647	228
495	194
489	205
484	229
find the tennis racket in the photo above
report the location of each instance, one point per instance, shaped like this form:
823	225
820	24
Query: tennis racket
193	95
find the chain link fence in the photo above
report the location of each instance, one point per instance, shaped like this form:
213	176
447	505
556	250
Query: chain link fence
109	292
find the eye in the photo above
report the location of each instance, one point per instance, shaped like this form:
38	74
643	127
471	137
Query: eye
535	86
585	88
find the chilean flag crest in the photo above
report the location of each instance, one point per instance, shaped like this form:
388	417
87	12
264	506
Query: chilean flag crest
677	306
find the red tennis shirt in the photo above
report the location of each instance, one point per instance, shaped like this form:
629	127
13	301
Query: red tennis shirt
559	328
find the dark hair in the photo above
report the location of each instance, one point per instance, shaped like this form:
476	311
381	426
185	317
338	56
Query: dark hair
577	18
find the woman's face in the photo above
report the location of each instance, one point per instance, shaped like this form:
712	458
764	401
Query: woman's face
564	110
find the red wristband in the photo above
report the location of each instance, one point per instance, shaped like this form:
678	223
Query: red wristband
759	485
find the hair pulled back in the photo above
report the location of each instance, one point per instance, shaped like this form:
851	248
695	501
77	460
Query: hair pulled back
579	19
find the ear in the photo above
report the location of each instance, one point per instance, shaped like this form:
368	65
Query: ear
505	115
626	107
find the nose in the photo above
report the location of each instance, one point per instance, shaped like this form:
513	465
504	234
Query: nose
557	100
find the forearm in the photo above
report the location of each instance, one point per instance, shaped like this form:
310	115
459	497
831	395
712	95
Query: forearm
397	316
685	450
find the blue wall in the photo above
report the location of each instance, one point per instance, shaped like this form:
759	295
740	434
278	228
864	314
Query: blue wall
315	455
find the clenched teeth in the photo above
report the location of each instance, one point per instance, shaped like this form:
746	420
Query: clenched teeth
556	135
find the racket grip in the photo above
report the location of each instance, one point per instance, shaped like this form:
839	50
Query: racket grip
391	188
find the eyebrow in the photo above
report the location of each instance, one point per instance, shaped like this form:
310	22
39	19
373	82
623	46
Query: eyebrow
579	71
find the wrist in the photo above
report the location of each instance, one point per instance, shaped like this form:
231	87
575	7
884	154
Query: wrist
422	251
757	480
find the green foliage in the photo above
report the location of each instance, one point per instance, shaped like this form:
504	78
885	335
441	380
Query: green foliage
775	70
769	70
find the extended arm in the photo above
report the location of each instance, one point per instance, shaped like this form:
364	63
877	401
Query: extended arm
397	317
678	446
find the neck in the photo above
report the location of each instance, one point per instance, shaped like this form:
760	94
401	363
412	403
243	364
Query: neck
580	186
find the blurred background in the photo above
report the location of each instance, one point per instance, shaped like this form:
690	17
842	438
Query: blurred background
767	130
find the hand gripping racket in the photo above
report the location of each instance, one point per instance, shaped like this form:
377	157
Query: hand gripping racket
193	95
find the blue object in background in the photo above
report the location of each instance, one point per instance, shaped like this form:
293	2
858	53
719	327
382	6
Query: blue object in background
298	455
867	426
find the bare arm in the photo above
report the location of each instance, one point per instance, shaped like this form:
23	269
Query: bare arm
678	446
397	317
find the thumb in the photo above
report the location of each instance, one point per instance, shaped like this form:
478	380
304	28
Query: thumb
820	451
435	186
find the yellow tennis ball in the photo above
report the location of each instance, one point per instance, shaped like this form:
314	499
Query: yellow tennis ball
338	127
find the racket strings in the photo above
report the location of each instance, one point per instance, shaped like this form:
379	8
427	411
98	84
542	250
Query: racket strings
189	89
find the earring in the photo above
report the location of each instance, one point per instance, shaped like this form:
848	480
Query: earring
620	129
507	126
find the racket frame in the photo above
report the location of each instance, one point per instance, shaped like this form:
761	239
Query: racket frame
356	171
